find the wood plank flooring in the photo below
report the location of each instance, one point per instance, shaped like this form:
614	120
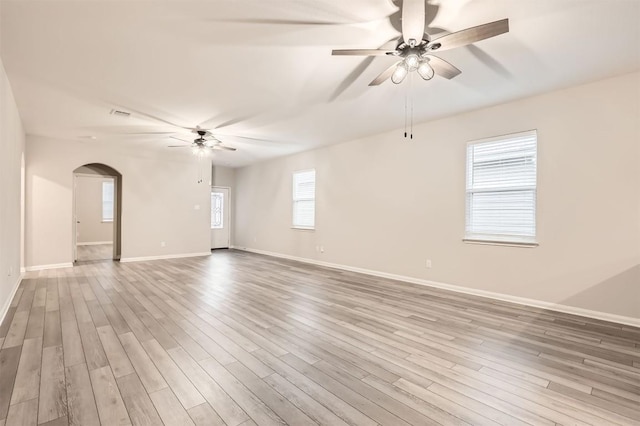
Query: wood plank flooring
242	339
95	252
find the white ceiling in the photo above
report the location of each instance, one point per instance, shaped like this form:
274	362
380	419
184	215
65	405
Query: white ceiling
205	63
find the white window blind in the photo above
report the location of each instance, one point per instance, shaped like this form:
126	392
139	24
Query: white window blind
501	188
304	199
107	200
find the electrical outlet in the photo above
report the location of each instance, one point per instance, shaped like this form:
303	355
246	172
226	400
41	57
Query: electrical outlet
321	249
10	273
196	207
163	244
428	263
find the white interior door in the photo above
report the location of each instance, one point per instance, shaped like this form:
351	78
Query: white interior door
220	229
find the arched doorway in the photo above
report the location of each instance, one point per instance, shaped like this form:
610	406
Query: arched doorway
97	213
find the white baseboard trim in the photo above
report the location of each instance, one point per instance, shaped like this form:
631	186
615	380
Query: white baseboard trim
164	256
52	266
95	243
635	322
7	304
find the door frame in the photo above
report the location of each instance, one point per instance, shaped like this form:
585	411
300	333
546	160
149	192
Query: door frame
228	206
116	215
74	219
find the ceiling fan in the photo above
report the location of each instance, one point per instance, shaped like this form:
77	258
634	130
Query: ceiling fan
416	49
204	141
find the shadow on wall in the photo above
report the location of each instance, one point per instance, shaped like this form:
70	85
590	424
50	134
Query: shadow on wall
619	293
573	335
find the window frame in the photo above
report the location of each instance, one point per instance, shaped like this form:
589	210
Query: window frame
112	182
296	200
512	240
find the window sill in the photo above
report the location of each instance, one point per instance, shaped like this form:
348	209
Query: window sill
303	228
522	244
107	221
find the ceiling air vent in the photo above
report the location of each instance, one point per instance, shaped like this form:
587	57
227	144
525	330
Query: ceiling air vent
120	113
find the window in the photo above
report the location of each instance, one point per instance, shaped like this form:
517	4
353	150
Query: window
107	200
217	209
501	189
304	199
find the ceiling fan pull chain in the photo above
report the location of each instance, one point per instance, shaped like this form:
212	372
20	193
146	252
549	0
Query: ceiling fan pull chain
411	85
411	117
199	168
406	95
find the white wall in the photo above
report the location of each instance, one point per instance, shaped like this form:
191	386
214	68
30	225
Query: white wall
159	195
387	204
11	155
91	228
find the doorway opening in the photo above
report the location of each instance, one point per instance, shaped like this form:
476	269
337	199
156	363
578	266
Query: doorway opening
220	226
97	213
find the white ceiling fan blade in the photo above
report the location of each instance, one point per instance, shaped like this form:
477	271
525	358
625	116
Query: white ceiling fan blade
153	117
223	148
413	20
471	35
384	75
443	68
179	139
361	52
251	139
145	133
279	21
179	146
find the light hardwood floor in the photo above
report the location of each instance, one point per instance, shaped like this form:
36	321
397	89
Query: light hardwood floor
243	339
95	252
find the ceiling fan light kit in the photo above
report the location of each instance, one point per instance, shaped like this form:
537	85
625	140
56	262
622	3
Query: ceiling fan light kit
400	73
425	71
412	63
200	151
